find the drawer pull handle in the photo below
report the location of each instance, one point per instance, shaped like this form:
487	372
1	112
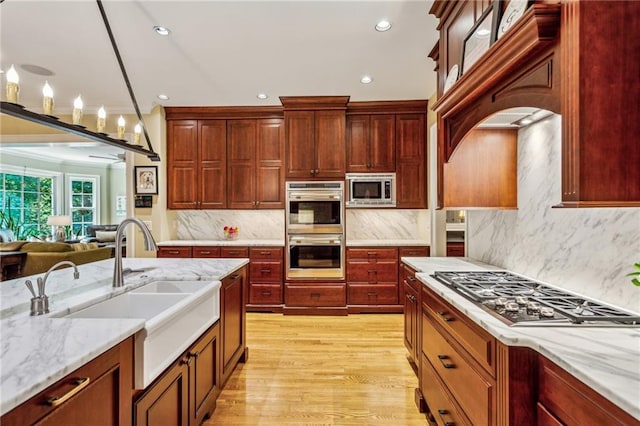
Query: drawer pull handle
372	294
266	293
443	360
235	276
372	253
410	278
265	252
80	383
315	294
205	252
174	252
443	413
265	271
444	316
412	298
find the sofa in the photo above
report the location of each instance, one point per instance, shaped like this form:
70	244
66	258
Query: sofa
43	255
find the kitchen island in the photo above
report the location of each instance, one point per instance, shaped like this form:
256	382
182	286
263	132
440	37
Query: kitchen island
604	358
39	350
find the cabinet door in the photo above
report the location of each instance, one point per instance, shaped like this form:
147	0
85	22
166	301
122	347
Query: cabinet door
99	393
241	156
232	323
358	152
411	320
330	144
301	161
182	164
382	157
270	164
212	154
204	380
166	401
411	181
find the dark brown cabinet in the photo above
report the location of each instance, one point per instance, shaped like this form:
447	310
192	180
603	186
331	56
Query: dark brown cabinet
196	164
98	393
315	136
232	323
255	164
371	143
411	184
412	309
455	249
185	394
265	279
372	277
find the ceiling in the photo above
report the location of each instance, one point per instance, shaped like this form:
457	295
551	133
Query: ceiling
218	52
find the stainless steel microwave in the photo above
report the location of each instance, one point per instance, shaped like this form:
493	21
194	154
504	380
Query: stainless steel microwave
371	190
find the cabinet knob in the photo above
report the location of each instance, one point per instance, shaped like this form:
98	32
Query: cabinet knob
317	171
312	171
444	360
443	413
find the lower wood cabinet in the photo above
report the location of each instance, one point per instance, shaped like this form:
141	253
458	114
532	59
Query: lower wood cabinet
98	393
455	249
319	298
232	323
266	271
174	251
185	394
412	310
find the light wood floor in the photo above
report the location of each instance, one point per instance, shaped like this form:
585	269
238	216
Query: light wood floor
317	370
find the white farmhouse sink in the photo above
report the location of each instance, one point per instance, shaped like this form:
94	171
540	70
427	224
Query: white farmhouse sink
176	313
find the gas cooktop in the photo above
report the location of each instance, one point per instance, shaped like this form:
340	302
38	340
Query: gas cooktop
520	301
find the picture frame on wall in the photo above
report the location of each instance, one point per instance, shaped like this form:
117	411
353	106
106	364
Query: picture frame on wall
146	178
481	36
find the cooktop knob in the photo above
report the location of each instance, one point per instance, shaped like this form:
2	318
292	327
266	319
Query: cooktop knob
501	301
521	300
546	312
511	307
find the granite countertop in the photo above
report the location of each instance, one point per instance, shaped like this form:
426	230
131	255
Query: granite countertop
605	358
222	243
38	351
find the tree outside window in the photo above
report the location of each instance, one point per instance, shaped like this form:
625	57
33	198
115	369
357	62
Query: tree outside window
83	198
26	200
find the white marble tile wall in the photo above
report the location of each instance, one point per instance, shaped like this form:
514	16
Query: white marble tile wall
209	224
587	250
392	224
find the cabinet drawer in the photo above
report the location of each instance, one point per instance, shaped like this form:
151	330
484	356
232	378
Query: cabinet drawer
421	251
265	253
474	393
372	254
363	294
365	272
234	252
574	403
455	249
174	252
408	276
480	344
265	294
315	295
265	271
443	409
204	251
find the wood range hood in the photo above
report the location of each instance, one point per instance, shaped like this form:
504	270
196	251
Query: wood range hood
578	59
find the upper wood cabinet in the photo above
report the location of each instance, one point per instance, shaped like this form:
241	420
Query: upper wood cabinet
255	164
371	143
411	180
196	164
571	57
315	136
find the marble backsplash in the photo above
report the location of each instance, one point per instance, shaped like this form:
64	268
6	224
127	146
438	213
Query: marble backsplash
585	250
209	224
391	224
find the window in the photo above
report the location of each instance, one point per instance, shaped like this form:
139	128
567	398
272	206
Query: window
83	202
28	197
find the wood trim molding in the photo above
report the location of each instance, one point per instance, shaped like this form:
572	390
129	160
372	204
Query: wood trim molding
535	31
314	102
222	112
386	107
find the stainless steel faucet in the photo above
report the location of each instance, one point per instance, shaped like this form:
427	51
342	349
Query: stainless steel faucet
149	243
40	303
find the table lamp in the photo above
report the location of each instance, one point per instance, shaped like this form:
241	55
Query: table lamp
60	222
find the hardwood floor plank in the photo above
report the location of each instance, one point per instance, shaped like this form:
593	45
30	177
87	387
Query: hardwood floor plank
321	370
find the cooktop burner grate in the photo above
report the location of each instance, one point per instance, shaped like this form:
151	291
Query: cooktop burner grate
517	299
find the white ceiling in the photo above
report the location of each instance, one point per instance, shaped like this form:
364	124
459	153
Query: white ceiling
219	52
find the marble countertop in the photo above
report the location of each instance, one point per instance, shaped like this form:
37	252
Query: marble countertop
605	358
38	351
281	243
222	243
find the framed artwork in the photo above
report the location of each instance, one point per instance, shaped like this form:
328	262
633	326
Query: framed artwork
480	38
146	179
514	10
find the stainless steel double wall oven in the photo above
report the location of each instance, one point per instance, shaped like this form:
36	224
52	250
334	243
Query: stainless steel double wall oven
315	230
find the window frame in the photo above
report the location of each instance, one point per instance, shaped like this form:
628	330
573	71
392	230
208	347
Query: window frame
73	177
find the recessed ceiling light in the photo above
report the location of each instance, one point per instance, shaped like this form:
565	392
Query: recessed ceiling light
163	97
262	96
37	70
383	25
164	31
366	79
